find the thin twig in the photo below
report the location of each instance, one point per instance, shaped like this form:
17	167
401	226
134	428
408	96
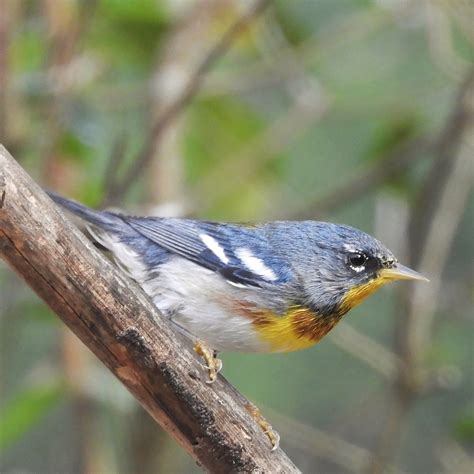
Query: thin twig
169	114
65	32
397	162
310	103
256	154
115	161
366	349
325	43
320	444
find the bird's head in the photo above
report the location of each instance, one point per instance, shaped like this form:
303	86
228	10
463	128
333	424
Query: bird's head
346	266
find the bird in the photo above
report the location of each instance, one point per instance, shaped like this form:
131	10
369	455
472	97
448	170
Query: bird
266	287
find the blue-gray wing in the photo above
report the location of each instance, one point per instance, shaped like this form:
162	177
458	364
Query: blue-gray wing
242	255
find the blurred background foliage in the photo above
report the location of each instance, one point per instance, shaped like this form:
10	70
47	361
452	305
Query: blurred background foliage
354	111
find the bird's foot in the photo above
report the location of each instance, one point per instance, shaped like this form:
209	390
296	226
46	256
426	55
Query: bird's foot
213	364
266	427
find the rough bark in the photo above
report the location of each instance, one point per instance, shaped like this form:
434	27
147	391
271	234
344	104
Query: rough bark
116	320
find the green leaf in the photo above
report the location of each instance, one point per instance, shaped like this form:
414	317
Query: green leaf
216	129
394	132
464	428
462	45
72	146
144	11
126	34
26	409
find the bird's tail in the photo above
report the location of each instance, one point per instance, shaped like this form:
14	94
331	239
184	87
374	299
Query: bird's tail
111	232
105	220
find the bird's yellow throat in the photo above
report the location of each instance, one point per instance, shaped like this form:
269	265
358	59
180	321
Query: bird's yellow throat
301	327
357	294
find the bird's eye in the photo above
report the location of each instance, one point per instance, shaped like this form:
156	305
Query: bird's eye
357	260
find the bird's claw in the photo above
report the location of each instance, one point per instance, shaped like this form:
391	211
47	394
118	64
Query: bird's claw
266	427
213	364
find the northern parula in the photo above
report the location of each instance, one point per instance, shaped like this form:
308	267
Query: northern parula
272	287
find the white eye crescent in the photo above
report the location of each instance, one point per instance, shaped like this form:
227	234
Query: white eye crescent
357	261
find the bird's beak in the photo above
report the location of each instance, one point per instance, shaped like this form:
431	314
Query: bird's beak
400	272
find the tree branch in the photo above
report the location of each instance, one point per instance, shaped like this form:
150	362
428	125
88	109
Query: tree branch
116	320
174	109
366	180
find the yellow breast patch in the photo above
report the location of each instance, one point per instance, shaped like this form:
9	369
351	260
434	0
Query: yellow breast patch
298	329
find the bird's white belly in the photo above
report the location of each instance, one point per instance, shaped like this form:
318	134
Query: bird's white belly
192	296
